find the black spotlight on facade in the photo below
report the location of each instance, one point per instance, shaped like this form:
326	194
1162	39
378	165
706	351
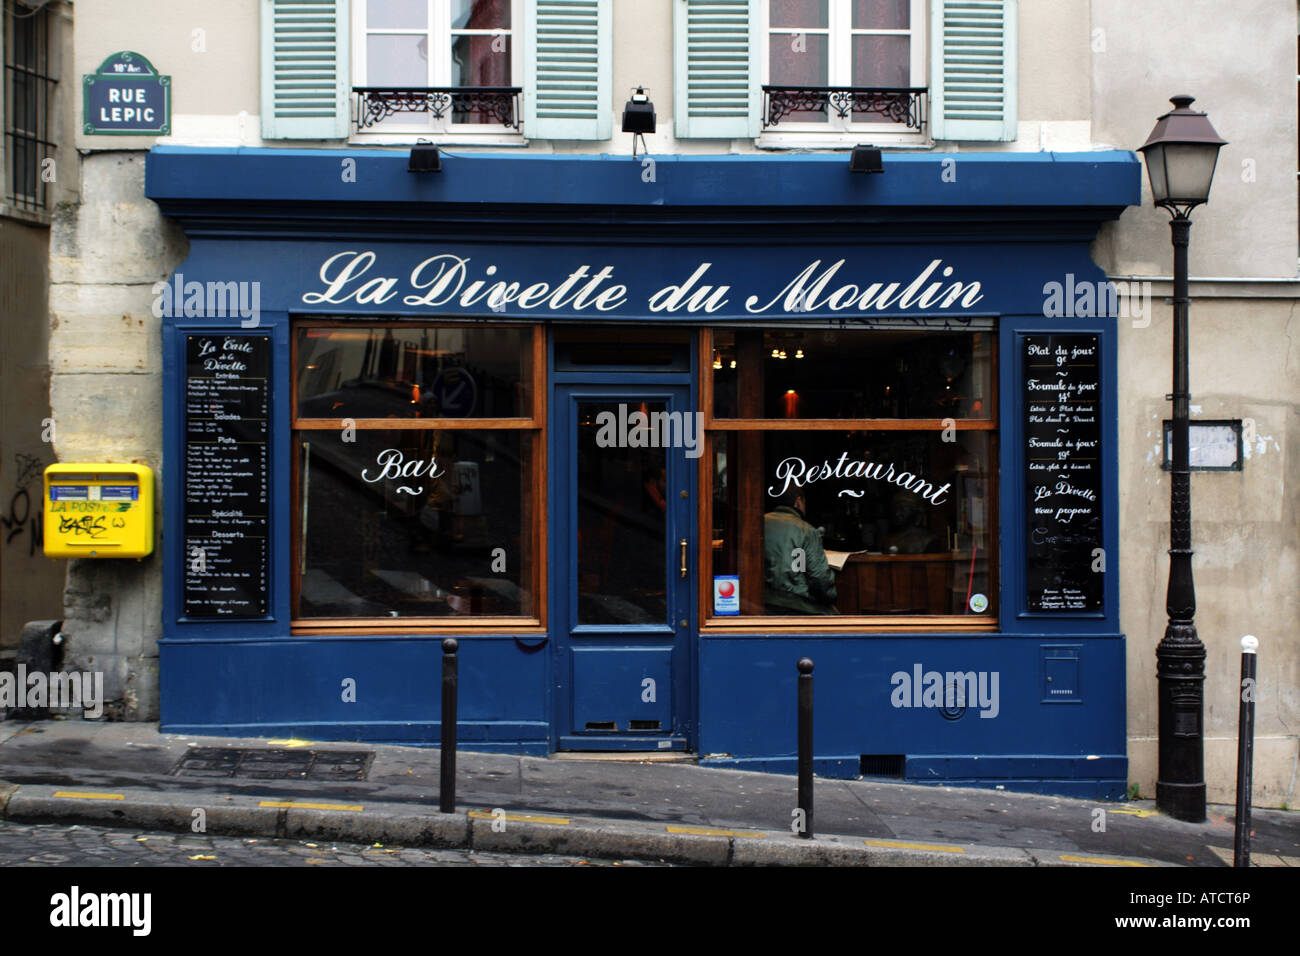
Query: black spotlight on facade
866	159
639	117
424	158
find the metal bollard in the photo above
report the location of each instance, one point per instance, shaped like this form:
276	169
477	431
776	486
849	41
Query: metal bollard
447	757
806	745
1245	751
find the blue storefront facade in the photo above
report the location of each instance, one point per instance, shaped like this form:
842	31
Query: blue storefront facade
316	356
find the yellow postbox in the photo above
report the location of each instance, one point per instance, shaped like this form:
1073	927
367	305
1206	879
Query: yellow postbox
98	510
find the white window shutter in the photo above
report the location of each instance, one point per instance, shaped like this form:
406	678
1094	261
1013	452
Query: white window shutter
973	70
716	85
305	69
568	69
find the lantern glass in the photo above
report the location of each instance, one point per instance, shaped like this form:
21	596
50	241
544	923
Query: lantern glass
1155	157
1188	171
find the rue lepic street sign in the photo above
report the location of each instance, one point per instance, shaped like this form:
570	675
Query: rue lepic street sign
127	96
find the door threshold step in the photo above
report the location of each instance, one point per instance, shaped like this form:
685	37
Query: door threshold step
627	756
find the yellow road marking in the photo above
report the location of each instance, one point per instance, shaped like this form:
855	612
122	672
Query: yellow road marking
89	796
706	831
1256	859
293	805
1139	813
899	845
518	817
290	742
1100	860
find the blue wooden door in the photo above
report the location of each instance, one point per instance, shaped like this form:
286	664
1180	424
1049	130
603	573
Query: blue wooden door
622	566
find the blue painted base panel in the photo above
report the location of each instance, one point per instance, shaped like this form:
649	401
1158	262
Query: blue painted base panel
579	743
969	711
1103	779
478	738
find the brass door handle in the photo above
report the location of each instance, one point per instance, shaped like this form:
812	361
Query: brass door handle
683	557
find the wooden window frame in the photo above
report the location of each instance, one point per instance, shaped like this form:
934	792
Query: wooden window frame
534	503
948	624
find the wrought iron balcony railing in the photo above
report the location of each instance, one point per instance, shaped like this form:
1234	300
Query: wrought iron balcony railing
898	104
487	104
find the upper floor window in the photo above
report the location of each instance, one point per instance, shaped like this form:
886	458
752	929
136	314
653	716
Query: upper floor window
436	66
28	95
843	65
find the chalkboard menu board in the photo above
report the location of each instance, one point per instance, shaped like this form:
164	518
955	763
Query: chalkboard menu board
1062	399
227	463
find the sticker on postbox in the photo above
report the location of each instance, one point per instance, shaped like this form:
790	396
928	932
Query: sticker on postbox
726	594
70	493
119	493
98	510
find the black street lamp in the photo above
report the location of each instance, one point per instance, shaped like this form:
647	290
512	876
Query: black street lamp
1180	156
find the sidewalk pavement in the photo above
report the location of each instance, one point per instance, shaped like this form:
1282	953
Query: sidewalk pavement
130	775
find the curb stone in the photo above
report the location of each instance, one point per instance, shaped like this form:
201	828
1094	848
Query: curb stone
222	820
582	836
603	839
438	830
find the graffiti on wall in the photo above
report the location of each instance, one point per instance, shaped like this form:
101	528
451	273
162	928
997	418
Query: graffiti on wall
21	515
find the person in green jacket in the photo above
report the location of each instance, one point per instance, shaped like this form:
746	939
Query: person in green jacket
798	580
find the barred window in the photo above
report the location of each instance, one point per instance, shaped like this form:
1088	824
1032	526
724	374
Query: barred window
28	105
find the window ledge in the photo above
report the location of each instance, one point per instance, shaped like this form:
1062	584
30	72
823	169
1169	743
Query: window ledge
827	625
491	137
445	627
841	140
29	216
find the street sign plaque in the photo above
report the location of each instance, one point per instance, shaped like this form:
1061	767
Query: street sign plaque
127	96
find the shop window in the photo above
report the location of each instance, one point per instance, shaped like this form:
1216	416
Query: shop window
436	66
417	474
839	66
852	475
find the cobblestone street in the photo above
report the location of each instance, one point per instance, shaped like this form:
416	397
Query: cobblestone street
50	845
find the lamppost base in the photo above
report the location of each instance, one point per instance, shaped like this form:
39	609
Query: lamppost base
1182	801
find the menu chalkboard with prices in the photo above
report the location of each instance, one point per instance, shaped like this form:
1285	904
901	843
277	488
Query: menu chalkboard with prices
1062	397
227	470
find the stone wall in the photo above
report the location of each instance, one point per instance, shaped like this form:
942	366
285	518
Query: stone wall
106	254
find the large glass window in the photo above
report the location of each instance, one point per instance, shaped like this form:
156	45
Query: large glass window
852	473
418	472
